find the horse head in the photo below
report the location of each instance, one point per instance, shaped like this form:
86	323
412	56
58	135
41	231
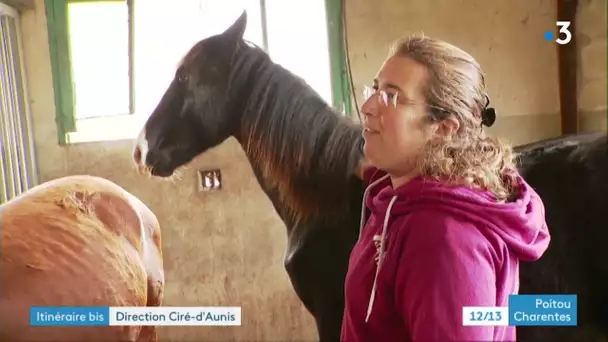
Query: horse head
195	112
296	142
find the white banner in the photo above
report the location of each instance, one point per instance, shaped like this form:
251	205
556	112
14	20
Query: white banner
170	315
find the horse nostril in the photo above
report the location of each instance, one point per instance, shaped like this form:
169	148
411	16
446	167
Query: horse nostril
137	155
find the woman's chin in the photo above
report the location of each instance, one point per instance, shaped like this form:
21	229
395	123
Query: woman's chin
370	148
370	157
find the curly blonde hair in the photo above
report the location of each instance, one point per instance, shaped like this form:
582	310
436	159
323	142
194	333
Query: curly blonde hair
456	87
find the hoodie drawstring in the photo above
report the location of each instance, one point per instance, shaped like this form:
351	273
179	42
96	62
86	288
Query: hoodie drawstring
381	255
382	240
363	218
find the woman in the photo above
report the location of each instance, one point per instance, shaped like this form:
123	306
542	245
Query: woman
450	217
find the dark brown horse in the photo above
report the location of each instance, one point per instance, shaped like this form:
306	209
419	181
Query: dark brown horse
78	241
305	155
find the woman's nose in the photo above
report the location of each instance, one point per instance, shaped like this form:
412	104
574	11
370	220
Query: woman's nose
370	106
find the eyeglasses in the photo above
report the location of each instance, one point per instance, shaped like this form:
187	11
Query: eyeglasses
392	99
385	97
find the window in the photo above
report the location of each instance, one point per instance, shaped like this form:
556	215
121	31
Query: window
113	59
99	55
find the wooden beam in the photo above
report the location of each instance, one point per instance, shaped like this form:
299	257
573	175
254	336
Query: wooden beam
19	5
568	69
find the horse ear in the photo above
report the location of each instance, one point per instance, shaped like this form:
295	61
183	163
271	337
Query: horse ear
237	29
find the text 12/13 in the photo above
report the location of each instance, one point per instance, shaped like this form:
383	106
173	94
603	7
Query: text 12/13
485	315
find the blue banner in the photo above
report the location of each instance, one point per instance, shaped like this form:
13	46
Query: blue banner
542	310
69	315
139	315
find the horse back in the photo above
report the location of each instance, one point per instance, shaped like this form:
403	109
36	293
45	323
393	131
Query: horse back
77	241
570	174
577	164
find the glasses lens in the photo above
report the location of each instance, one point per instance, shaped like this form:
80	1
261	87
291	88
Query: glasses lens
384	98
367	92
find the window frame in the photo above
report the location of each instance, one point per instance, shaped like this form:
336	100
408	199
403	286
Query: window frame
61	65
340	79
63	85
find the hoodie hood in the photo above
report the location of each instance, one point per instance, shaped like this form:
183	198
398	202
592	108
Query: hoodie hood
520	223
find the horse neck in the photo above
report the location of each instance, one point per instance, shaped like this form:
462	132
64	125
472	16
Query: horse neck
303	154
275	198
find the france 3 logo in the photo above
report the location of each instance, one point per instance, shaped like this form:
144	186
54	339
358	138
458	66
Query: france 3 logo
564	35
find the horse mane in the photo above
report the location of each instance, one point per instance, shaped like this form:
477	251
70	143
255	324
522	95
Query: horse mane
303	149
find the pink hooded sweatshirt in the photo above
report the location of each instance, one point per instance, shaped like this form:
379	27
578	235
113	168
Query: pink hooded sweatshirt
440	247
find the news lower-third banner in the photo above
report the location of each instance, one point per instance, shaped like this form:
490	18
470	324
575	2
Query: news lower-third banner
525	310
99	315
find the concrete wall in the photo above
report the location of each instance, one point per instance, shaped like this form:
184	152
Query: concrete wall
506	37
226	248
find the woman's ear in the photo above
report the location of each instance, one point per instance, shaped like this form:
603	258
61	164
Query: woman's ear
447	127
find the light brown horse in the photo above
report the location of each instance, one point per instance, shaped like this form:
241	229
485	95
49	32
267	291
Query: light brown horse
77	241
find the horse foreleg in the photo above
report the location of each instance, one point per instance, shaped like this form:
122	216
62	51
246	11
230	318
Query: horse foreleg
329	318
324	305
317	270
